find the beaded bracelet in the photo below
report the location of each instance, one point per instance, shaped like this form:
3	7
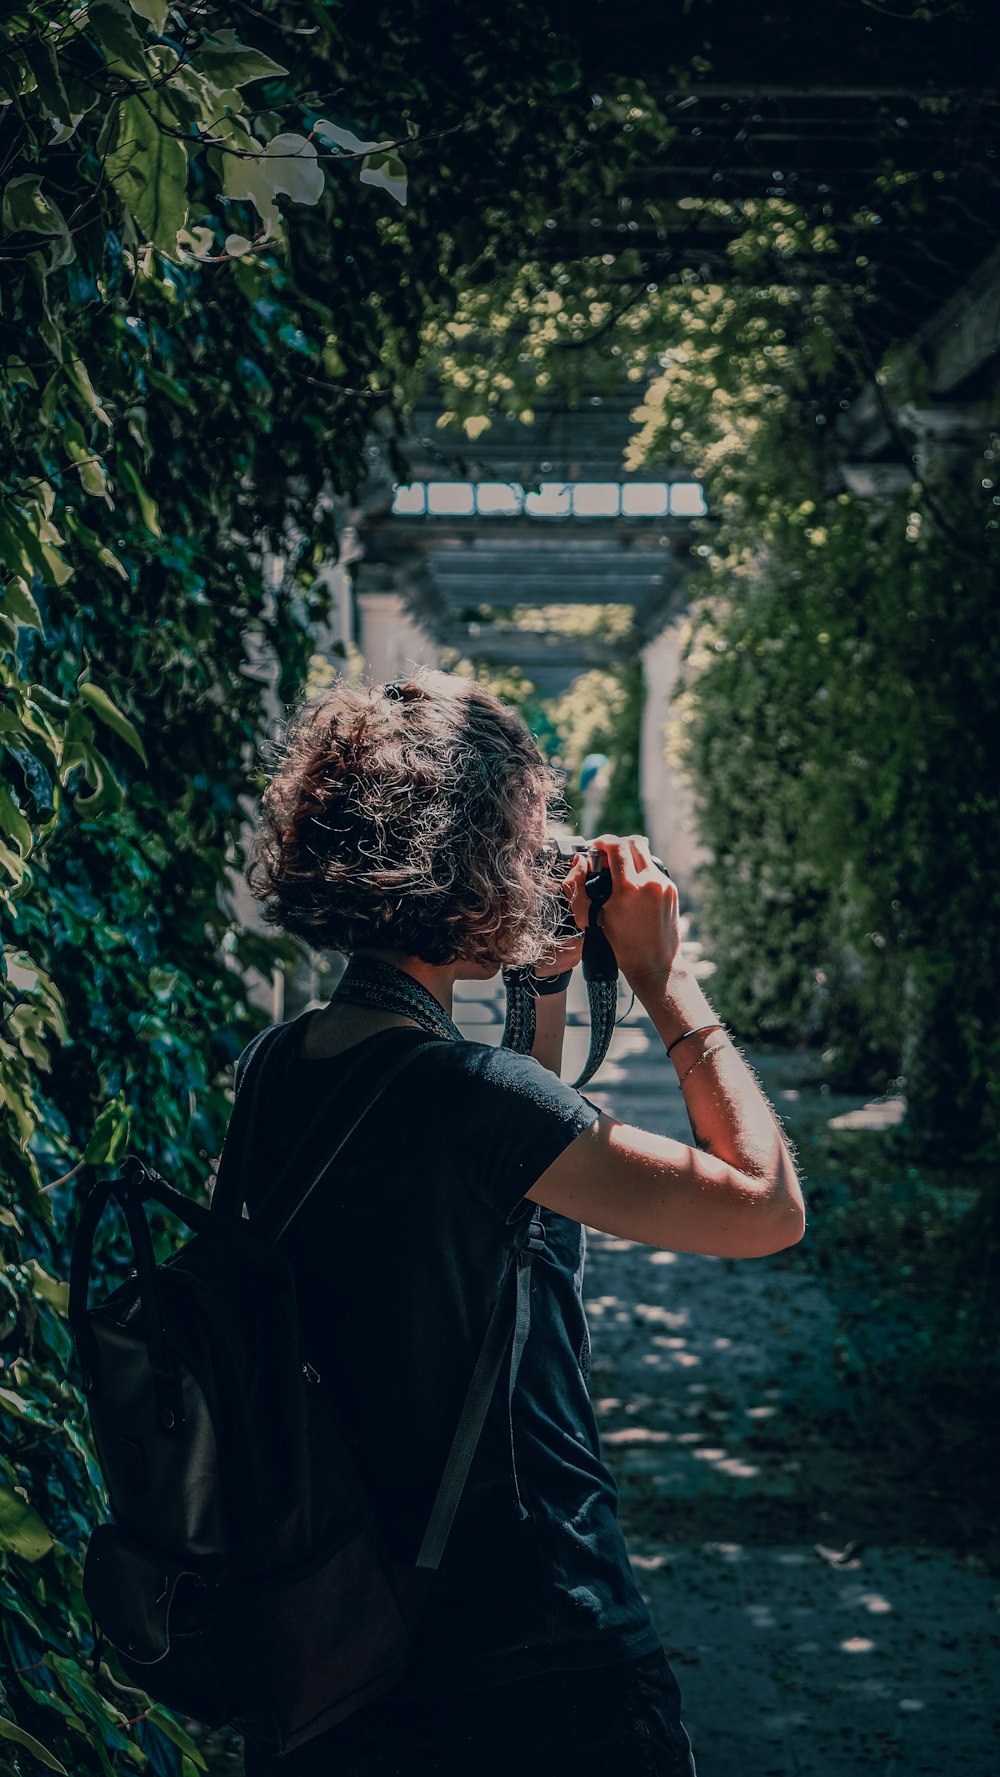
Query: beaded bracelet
697	1031
716	1051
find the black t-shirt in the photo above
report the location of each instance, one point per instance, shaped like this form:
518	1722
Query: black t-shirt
399	1260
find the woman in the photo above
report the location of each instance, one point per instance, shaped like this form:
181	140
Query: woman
405	826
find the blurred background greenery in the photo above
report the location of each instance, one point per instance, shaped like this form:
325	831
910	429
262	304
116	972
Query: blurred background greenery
239	244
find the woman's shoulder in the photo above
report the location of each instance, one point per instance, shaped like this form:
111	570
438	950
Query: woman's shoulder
502	1070
505	1118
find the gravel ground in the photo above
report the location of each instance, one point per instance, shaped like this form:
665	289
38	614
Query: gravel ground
822	1611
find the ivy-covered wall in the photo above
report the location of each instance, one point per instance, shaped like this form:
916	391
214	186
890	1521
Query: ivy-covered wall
213	291
838	724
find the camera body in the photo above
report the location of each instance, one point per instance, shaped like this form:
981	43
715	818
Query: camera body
598	882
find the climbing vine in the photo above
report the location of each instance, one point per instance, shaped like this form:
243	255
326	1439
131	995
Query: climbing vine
226	265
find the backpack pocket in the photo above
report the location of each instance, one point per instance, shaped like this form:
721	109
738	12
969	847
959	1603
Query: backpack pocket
160	1616
325	1638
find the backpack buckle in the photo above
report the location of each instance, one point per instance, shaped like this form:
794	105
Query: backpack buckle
535	1242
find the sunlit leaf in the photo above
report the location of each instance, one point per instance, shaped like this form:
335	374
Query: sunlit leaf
100	703
52	1289
110	1135
153	11
112	24
345	139
12	821
16	601
231	63
289	164
76	370
148	167
9	1730
387	171
21	1529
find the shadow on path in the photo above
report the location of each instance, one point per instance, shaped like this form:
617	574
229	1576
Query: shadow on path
820	1612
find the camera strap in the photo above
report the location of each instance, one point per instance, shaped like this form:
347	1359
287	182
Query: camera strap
600	971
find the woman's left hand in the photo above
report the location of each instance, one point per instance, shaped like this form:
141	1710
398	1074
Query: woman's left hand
567	956
569	952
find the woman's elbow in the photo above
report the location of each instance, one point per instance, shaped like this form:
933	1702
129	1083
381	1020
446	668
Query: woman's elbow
782	1226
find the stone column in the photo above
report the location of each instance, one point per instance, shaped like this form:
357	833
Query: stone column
948	443
389	636
667	793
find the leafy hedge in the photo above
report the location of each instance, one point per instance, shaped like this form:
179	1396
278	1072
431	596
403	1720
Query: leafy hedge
188	377
839	719
214	292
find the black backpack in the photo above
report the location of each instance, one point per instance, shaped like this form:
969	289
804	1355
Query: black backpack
243	1579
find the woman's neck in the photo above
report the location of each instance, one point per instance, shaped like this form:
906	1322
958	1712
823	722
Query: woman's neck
439	979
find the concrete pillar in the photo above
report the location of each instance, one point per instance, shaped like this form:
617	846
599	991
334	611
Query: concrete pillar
389	636
667	793
335	636
948	443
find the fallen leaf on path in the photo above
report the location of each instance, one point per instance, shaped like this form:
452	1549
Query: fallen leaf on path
849	1556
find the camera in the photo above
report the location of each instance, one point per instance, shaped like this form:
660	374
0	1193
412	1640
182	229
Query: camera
597	883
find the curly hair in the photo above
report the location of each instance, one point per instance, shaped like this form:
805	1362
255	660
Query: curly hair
409	818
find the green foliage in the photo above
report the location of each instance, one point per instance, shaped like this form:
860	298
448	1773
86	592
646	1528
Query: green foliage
838	729
213	292
622	810
217	280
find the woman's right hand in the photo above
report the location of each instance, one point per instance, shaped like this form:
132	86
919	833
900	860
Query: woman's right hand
641	919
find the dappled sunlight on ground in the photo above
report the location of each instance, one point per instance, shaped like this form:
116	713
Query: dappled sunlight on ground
818	1619
878	1113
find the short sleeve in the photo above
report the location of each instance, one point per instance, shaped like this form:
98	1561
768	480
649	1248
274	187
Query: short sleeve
506	1119
244	1059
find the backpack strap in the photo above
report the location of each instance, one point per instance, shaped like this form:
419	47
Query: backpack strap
296	1182
481	1390
229	1194
282	1204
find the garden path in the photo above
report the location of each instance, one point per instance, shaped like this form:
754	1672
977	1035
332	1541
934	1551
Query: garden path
823	1615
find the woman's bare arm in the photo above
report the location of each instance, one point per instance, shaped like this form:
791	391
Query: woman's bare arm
550	1008
735	1194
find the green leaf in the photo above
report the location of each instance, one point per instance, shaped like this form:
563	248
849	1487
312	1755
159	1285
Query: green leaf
18	372
93	475
112	24
51	1289
109	713
345	140
18	603
129	477
289	164
387	171
79	376
13	863
148	168
162	982
233	64
110	1135
565	76
27	209
21	1529
13	823
173	1731
106	792
9	1730
41	58
153	11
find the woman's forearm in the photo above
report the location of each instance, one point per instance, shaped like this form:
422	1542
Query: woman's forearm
729	1113
550	1026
